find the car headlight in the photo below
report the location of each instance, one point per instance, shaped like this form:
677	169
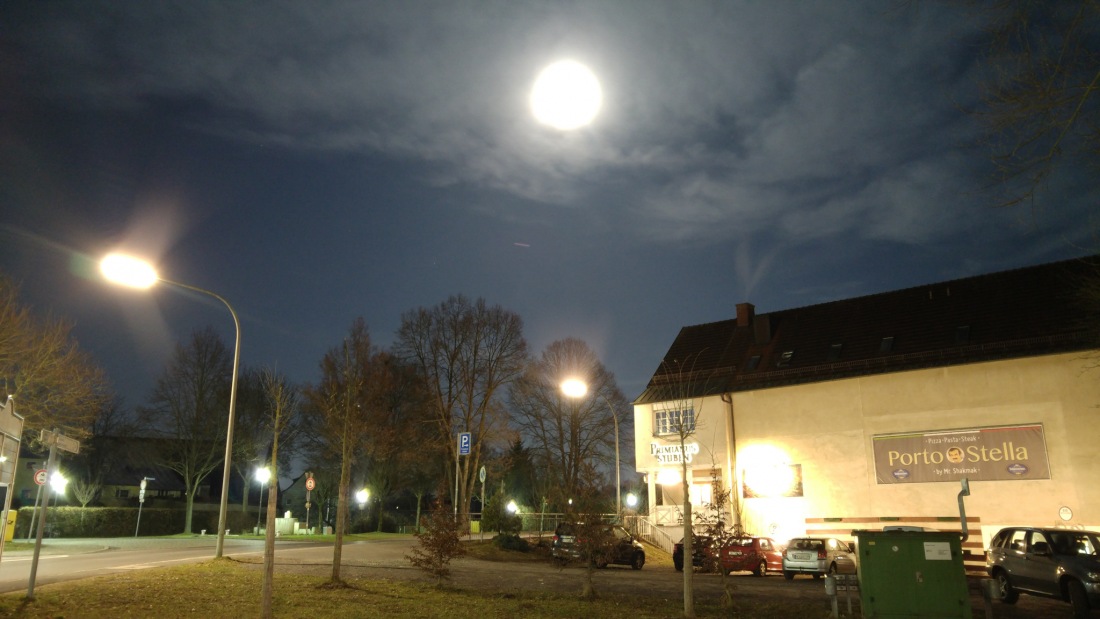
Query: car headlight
1093	576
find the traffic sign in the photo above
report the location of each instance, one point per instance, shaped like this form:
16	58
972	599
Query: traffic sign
481	475
464	443
40	477
310	484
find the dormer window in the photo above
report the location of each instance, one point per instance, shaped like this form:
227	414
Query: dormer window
887	344
834	352
754	361
784	359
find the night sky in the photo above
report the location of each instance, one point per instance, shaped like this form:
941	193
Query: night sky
313	162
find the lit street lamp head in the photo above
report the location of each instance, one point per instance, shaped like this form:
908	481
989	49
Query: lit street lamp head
574	388
128	271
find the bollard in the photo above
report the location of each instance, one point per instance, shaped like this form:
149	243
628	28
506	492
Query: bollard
990	591
830	590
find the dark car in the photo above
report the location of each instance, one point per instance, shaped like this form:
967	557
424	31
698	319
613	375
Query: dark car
751	554
1055	563
623	548
702	556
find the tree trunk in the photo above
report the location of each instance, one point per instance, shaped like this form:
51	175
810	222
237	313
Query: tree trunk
190	509
689	542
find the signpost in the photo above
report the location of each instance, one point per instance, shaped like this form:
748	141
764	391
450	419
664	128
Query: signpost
56	441
40	477
141	501
310	485
465	441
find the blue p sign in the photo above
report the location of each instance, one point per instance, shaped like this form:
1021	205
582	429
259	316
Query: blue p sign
464	442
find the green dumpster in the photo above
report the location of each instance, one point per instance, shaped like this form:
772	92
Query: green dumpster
912	574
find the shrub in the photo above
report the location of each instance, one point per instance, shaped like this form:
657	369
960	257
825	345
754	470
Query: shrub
507	541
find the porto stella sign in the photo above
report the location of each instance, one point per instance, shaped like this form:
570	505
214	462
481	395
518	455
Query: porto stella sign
979	454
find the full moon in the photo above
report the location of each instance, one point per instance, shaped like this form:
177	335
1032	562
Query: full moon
566	95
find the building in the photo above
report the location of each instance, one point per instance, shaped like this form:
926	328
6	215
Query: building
858	413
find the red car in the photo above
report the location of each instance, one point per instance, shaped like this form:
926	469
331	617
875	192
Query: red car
751	554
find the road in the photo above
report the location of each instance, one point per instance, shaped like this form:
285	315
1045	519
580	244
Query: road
63	560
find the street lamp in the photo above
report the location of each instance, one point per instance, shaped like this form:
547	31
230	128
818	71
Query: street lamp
58	483
135	273
262	476
576	388
362	497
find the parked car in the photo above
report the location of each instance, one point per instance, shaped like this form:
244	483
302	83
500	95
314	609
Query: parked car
701	553
624	548
751	554
1055	563
817	556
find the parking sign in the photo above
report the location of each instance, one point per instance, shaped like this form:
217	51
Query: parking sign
464	442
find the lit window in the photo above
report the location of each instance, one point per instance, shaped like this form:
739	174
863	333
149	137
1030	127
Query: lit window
671	421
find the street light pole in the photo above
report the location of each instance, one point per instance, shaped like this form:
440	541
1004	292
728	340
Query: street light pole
576	388
137	273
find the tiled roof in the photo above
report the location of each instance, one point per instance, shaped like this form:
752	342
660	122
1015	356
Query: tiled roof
1024	312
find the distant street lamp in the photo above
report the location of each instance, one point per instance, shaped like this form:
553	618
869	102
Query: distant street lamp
135	273
263	475
58	483
631	500
576	388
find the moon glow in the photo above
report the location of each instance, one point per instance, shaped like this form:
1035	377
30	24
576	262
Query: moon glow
566	96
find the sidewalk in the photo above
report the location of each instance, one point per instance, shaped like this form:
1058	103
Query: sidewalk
58	545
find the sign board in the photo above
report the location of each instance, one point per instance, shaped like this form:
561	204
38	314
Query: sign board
40	477
310	484
481	475
465	441
64	443
981	454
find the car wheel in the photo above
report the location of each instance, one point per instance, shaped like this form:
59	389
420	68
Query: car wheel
638	562
761	568
789	575
1009	595
1079	599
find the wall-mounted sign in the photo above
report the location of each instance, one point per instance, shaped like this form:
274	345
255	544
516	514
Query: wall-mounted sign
979	454
672	454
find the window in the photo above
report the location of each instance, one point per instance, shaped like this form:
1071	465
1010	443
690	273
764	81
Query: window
834	352
702	494
753	362
887	344
668	421
122	493
784	358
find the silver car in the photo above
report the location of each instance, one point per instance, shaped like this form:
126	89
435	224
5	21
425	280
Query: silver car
818	556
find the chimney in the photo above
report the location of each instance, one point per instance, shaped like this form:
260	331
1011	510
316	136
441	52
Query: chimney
745	313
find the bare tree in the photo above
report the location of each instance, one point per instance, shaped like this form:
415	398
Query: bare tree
188	407
283	411
340	405
567	434
1041	108
468	352
54	382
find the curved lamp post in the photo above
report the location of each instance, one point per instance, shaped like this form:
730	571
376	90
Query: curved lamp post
136	273
576	388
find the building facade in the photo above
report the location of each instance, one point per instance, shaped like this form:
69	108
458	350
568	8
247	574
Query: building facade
862	412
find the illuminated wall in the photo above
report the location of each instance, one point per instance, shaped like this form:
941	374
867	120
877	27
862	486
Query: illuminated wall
806	451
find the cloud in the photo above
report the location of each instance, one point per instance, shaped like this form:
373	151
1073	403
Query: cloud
720	118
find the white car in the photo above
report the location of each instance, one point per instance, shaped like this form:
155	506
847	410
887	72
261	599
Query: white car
818	556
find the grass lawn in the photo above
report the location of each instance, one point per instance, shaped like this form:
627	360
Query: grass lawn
226	588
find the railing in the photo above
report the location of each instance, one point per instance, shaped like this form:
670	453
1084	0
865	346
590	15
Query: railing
643	528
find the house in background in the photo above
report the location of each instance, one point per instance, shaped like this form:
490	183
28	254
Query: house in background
868	411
